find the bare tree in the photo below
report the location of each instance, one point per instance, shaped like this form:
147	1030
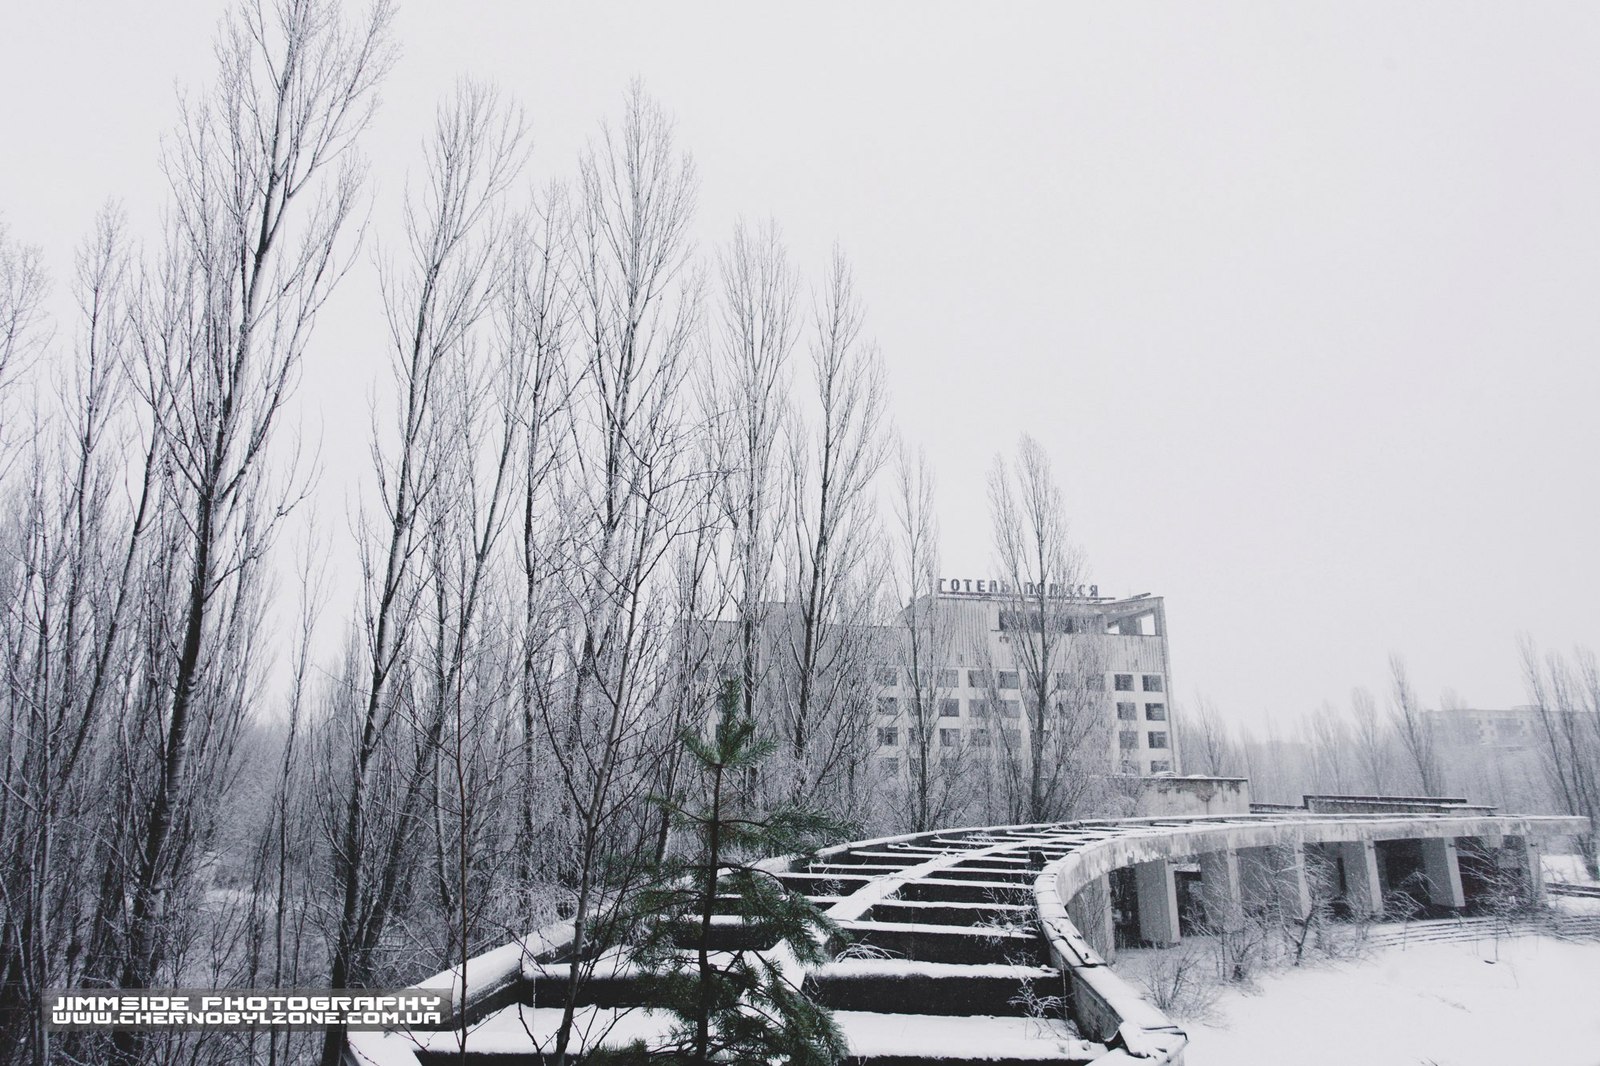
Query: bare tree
692	687
1051	648
1568	704
72	559
746	396
1373	744
23	286
937	788
1274	769
284	874
535	322
467	685
1414	728
1331	745
436	307
243	276
626	502
829	647
1208	745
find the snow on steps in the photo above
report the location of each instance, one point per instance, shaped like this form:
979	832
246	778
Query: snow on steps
946	889
503	1035
886	986
874	1039
950	912
931	1039
1566	926
947	943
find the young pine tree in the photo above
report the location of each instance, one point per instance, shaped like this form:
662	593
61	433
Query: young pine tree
709	920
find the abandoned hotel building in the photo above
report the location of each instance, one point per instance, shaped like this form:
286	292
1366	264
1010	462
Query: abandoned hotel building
1112	662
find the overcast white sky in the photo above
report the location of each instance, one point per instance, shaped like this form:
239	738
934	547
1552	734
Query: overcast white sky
1301	299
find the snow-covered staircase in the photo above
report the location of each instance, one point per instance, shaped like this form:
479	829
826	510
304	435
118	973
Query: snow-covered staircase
941	961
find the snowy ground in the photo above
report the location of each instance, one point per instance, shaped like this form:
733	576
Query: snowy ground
1446	1004
1567	868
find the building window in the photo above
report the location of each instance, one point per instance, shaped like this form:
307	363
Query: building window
1008	679
890	766
1124	682
980	738
1155	712
1158	739
1094	683
948	679
978	678
888	676
888	737
949	708
978	708
1127	740
949	738
1152	682
1161	766
1010	709
1128	712
888	705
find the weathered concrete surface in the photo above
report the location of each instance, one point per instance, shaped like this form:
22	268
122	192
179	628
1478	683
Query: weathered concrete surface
1442	864
1172	797
1363	889
1220	888
1090	910
1525	856
1145	839
1106	1007
1158	902
1273	878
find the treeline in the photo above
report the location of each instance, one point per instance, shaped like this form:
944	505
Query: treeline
1542	757
609	475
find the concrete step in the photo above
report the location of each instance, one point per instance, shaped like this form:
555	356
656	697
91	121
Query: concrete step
887	986
941	912
815	885
880	857
851	869
946	1040
891	1039
615	989
950	889
990	873
946	943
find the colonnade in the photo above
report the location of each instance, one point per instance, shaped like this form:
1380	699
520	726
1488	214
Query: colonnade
1362	878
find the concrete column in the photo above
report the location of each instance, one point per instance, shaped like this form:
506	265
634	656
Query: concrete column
1294	891
1363	887
1535	853
1090	911
1276	875
1219	887
1526	857
1443	867
1255	878
1158	902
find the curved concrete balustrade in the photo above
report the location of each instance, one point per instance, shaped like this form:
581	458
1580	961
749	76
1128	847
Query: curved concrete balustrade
1104	1004
963	944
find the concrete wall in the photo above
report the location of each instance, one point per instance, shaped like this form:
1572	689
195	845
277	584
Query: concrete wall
1167	797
